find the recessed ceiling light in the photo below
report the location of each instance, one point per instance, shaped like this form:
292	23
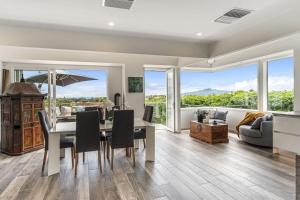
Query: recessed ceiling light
199	34
111	24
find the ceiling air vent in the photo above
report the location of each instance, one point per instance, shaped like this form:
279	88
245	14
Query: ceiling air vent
123	4
233	15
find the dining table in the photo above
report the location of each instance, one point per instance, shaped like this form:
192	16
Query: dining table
63	129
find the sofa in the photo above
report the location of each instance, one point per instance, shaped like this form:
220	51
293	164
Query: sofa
260	136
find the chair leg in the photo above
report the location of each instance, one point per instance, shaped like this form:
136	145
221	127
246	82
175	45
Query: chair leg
104	146
112	159
76	163
107	151
99	160
128	154
83	156
133	156
144	143
44	160
72	156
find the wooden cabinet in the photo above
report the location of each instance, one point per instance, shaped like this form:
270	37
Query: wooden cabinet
20	128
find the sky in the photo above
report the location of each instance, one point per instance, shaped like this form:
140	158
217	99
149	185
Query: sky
94	88
238	78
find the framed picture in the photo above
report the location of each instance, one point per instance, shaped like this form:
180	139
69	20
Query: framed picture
135	84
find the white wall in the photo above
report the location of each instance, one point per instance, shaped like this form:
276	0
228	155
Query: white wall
114	82
234	116
134	63
58	39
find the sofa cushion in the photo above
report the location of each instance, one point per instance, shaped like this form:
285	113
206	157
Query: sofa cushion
221	115
246	130
268	117
256	124
66	111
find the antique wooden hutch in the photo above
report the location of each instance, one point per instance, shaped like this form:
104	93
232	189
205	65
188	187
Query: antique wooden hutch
20	128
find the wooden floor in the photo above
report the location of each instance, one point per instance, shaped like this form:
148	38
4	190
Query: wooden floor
185	169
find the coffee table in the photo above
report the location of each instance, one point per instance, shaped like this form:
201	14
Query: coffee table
210	133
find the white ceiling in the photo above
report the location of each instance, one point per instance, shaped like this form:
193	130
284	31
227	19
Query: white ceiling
178	19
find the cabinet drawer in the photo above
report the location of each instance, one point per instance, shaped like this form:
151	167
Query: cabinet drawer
287	124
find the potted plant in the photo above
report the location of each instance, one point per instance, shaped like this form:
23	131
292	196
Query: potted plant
201	114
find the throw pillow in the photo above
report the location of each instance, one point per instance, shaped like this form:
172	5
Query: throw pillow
256	124
211	114
66	111
268	117
221	115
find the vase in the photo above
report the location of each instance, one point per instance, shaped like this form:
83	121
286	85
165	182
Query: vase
200	118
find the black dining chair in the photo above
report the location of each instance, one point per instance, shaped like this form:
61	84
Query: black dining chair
64	142
141	133
87	135
122	133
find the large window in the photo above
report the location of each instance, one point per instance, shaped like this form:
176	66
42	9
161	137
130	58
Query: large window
74	96
234	88
281	84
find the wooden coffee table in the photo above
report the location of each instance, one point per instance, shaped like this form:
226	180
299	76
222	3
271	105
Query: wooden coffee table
209	132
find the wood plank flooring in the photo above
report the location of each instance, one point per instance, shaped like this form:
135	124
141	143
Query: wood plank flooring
185	169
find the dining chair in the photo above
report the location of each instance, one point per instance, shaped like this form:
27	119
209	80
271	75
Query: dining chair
64	142
122	133
100	110
141	133
87	135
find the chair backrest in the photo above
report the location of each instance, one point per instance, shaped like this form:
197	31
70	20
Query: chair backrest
44	121
87	131
123	129
148	113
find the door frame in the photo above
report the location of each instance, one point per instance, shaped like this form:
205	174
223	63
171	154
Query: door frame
176	92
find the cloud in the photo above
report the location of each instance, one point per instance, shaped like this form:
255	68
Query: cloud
279	83
81	91
155	89
242	85
275	83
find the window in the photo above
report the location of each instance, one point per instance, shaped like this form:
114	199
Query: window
76	95
234	88
281	84
29	73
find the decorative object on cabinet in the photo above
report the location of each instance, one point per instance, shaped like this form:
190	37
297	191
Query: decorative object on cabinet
20	127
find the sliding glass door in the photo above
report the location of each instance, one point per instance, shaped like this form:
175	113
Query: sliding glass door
160	93
170	99
52	96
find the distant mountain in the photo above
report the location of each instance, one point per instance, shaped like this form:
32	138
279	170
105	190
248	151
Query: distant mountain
206	92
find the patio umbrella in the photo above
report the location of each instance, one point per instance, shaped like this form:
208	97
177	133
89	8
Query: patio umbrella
62	78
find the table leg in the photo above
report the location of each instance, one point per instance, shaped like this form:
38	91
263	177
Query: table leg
150	143
62	153
53	154
137	144
297	177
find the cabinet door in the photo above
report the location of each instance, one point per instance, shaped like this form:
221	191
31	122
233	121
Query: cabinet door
38	136
27	138
28	131
27	113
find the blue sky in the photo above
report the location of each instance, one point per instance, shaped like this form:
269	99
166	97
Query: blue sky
94	88
239	78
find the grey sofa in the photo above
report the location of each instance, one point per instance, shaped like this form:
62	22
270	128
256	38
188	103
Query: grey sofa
261	137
